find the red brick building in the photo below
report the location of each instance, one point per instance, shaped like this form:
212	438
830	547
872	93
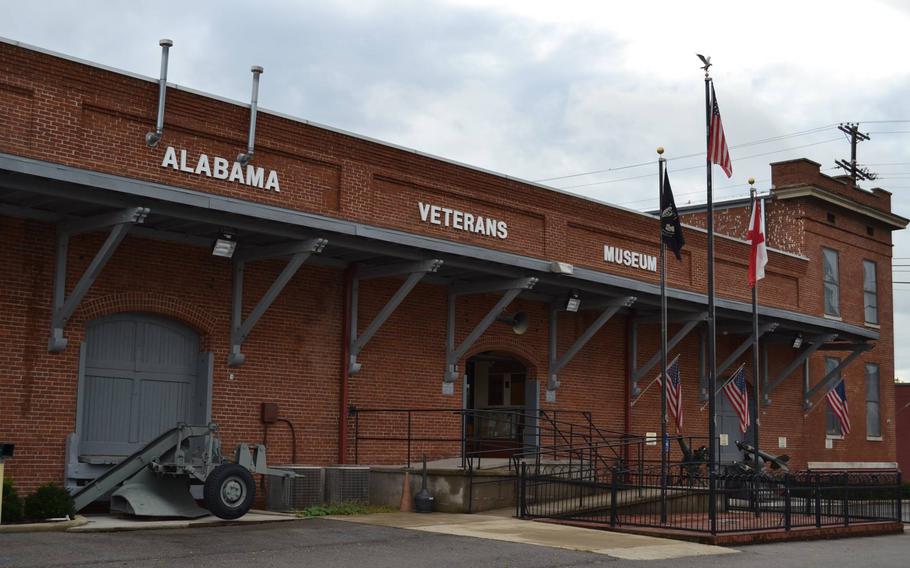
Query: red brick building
117	320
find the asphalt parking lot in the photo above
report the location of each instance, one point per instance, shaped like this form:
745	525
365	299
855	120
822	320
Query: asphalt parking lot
332	543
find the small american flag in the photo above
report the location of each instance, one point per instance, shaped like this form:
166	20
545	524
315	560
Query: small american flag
717	142
674	393
735	389
837	399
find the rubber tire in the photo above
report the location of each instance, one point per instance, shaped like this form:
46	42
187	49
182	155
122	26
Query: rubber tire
220	491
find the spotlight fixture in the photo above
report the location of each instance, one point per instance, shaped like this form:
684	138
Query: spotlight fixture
561	267
573	302
225	245
798	341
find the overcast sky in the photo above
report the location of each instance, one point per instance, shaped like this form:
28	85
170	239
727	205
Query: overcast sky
544	89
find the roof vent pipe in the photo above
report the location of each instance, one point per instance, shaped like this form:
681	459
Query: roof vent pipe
152	138
242	157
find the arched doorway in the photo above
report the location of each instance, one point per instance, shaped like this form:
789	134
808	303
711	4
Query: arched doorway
504	397
140	375
728	428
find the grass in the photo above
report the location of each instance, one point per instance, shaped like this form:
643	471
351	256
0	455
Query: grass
343	509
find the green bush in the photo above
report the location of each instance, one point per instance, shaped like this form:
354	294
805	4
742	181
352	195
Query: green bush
343	509
12	503
48	502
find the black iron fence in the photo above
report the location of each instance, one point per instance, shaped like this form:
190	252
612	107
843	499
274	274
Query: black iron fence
639	497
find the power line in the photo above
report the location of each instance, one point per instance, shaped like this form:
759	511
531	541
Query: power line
700	192
693	155
700	165
743	145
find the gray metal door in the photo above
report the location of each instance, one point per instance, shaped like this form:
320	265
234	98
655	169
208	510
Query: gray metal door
141	377
728	424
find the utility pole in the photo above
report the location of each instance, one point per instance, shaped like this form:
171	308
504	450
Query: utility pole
851	129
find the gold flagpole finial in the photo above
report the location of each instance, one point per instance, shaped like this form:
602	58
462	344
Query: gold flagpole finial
660	150
752	191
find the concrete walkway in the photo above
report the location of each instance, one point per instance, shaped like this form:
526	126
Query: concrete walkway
499	525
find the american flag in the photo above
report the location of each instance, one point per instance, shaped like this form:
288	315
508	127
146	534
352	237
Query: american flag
735	389
837	399
717	143
674	393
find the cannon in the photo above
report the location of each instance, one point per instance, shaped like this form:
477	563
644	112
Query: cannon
693	461
759	457
156	480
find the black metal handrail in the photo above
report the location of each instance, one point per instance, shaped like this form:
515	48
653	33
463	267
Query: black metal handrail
745	502
573	440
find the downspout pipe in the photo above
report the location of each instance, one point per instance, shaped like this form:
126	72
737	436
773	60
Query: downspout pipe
630	366
343	390
152	138
245	157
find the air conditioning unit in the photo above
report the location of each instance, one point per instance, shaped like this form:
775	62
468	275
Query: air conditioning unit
295	493
347	483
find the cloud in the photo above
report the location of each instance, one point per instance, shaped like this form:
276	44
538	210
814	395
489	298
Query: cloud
536	88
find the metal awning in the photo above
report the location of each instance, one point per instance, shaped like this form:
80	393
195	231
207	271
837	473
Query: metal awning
88	200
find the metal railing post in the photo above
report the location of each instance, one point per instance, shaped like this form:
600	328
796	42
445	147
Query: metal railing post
613	495
464	437
846	499
787	504
818	502
524	490
900	502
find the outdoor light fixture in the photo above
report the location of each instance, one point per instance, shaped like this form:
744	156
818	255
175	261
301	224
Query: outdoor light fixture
225	245
573	302
561	267
798	341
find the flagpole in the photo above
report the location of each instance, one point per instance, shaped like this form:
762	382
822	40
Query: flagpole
661	165
712	329
725	383
644	390
755	364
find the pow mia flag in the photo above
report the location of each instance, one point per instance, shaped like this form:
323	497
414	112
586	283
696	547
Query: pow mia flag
670	229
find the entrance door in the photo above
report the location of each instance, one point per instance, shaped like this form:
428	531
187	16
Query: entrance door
141	376
502	395
728	429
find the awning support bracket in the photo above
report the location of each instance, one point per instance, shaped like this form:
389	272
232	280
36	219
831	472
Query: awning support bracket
415	272
743	347
298	252
510	288
797	361
690	324
833	377
63	305
611	307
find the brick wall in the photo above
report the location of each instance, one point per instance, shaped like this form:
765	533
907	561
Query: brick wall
82	116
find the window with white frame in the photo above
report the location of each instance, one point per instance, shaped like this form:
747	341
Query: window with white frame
832	424
870	292
873	415
832	283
